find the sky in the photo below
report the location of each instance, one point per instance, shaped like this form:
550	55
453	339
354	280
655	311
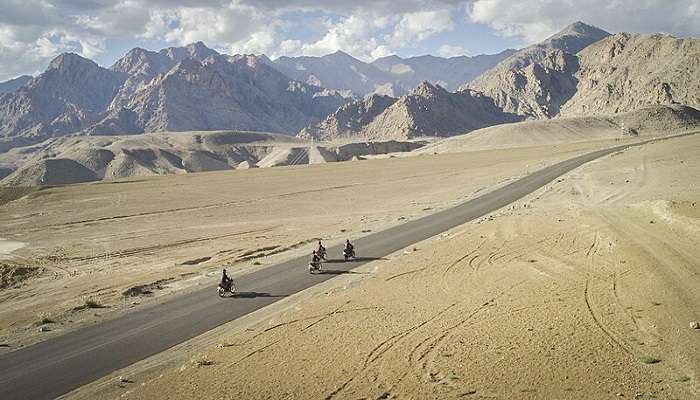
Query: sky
32	32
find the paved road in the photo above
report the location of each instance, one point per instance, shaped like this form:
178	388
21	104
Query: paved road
56	366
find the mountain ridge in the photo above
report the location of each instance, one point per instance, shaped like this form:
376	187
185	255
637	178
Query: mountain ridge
176	89
581	69
537	80
11	85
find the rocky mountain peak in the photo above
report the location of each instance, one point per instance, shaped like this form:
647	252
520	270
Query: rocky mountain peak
575	37
198	51
265	59
340	54
428	90
349	119
70	62
374	99
391	58
430	110
137	53
142	61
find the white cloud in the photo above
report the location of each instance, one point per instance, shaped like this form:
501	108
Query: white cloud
421	25
381	51
355	34
447	50
535	20
361	34
290	46
217	27
34	31
260	42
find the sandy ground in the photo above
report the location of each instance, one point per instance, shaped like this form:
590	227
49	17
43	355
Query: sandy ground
583	290
92	243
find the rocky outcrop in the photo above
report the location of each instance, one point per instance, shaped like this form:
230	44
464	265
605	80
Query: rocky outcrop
430	110
348	120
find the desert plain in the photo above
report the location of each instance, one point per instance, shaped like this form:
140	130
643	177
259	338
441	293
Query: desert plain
584	289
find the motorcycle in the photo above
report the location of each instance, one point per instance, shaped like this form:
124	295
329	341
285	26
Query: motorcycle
315	266
348	254
227	287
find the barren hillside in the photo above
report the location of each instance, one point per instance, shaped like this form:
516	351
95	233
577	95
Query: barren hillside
624	72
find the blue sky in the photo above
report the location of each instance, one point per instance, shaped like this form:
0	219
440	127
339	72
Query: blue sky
32	32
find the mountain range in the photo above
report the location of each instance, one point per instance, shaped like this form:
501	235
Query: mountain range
175	89
578	71
196	88
392	75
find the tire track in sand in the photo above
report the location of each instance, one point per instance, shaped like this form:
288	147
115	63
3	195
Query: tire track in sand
379	350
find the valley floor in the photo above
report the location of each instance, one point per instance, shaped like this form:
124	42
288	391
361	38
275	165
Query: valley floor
584	289
106	248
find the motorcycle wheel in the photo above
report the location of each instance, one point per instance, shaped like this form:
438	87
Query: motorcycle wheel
221	292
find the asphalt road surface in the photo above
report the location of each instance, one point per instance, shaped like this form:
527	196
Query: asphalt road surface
56	366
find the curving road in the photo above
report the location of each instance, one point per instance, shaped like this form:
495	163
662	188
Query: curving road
56	366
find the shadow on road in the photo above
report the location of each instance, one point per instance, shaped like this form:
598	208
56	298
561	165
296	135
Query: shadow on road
358	259
339	272
253	295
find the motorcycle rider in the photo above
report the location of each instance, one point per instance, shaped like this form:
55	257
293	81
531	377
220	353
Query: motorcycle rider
321	252
349	248
315	259
225	280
